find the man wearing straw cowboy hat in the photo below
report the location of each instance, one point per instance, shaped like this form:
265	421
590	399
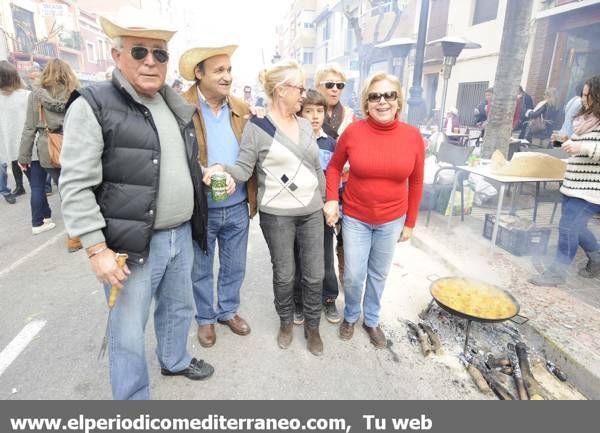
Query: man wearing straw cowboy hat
131	184
219	121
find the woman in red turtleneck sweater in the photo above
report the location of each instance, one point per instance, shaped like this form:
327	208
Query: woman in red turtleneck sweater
381	199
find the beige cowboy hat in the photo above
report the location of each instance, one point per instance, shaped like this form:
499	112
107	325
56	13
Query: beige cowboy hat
190	59
137	23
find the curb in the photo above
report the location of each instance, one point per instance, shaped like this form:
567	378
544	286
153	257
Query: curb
585	379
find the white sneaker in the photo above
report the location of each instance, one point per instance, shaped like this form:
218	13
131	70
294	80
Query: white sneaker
43	228
47	220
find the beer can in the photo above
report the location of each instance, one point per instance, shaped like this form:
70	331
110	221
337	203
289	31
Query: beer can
218	187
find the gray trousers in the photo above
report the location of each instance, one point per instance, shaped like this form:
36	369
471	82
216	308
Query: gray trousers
306	231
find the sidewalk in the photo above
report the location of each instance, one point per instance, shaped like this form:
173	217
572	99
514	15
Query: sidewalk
564	322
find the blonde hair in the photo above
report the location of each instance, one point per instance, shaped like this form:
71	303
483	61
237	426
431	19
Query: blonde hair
59	79
551	95
279	74
375	78
326	69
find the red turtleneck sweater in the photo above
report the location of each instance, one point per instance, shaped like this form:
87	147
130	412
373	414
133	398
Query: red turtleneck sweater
386	171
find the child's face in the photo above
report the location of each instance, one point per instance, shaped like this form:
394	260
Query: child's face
315	114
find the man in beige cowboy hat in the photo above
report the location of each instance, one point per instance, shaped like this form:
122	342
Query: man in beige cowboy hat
131	183
219	121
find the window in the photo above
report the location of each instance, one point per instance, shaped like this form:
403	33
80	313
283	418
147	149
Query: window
102	52
308	25
307	59
381	7
91	52
485	10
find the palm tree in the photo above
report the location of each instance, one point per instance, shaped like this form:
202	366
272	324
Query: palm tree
515	38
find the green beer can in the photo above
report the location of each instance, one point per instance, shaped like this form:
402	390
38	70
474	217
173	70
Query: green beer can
218	187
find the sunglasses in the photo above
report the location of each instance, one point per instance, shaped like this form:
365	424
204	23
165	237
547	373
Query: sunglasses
159	54
301	89
331	84
388	96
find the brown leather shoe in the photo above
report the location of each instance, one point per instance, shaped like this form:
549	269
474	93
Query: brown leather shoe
285	336
346	330
206	335
376	336
237	325
314	342
73	244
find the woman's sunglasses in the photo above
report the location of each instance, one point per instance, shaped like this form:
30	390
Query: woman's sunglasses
331	84
388	96
160	55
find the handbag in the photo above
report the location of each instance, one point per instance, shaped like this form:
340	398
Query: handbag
55	140
537	125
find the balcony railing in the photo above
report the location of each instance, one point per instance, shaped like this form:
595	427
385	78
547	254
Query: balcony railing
47	49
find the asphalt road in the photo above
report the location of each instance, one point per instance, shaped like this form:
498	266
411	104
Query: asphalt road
54	308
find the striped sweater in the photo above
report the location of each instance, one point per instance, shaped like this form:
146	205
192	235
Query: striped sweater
582	177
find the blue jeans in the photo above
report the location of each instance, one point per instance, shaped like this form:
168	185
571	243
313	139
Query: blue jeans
39	202
281	234
368	254
4	190
229	228
573	231
165	277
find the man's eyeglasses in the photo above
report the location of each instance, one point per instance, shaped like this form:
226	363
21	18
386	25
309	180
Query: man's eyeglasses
331	84
159	54
300	88
388	96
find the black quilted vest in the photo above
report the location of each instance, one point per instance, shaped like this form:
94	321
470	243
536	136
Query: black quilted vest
131	170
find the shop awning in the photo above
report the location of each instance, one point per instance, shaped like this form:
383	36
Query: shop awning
569	7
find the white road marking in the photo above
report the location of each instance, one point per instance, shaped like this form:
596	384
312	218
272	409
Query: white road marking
32	253
19	343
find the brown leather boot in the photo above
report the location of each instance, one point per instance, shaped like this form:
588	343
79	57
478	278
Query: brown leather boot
207	335
346	330
314	342
285	336
73	244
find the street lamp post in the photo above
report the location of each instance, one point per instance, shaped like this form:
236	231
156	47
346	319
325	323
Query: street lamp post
416	103
451	47
397	50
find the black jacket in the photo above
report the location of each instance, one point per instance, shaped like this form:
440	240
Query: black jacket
131	169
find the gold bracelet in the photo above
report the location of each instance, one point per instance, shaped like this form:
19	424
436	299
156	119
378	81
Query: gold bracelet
93	253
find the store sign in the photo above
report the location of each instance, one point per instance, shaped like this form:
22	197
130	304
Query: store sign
53	9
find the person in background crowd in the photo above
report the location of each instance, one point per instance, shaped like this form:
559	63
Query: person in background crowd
572	108
543	119
381	199
313	110
452	122
219	121
291	186
13	107
581	192
131	184
524	103
330	81
108	73
177	86
482	112
248	97
46	106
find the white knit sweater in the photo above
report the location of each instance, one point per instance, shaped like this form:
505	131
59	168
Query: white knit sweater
582	178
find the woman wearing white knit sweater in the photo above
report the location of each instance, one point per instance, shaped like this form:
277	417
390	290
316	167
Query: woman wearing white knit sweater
581	192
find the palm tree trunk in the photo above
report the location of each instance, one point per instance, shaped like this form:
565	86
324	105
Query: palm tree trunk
515	38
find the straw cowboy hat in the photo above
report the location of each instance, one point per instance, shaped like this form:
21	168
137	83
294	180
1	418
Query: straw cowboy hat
190	59
137	23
